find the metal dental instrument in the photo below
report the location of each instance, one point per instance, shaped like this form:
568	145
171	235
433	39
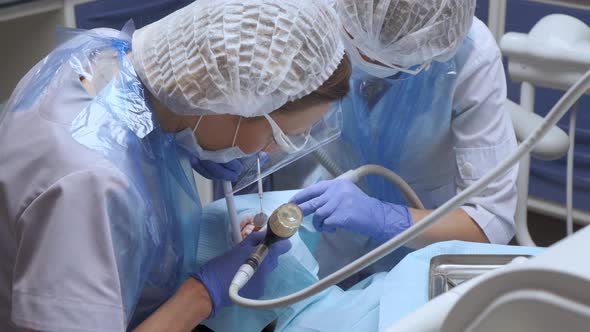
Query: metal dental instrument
260	218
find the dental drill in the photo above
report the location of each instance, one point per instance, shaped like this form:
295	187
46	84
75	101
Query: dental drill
282	224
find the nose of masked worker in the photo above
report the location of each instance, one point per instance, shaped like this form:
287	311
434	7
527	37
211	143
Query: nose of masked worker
222	138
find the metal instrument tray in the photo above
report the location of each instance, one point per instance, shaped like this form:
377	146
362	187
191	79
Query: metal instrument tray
448	271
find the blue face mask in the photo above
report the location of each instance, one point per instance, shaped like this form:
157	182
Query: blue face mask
187	140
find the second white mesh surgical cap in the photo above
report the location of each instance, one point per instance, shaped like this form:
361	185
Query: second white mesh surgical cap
405	33
245	57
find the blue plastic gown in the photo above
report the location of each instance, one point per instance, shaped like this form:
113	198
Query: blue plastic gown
394	122
155	224
398	123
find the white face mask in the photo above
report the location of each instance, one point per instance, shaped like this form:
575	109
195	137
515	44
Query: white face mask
288	143
188	141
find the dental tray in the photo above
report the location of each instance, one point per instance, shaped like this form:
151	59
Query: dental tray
449	271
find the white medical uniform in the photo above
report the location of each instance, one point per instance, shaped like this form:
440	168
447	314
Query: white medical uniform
483	135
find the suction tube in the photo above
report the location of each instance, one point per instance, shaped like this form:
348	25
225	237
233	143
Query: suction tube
236	236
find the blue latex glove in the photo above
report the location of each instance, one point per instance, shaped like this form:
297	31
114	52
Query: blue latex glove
217	274
229	171
341	204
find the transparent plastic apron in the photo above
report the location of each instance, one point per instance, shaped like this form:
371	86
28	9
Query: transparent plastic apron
155	221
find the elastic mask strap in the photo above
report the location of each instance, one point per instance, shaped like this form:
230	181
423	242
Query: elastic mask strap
233	143
282	140
307	137
197	125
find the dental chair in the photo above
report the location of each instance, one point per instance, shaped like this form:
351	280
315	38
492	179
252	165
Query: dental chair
553	55
550	292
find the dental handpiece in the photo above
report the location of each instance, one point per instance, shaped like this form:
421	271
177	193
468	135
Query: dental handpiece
282	224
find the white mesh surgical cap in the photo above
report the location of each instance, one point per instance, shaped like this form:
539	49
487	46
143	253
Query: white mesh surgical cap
245	57
405	33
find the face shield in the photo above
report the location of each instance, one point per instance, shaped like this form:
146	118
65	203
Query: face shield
291	147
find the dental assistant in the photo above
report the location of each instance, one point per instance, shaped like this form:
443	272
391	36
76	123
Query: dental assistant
427	101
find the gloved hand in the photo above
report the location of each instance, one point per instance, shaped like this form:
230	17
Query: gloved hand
217	274
341	204
229	171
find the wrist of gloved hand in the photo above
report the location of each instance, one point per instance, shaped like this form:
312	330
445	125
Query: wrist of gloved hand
216	275
216	303
391	220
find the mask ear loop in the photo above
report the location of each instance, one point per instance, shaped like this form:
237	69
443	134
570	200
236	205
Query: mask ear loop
280	138
283	140
307	137
233	143
197	125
